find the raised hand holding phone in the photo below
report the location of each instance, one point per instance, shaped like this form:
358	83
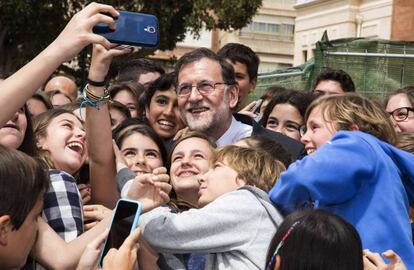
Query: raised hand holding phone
124	222
252	108
78	32
256	107
124	258
101	60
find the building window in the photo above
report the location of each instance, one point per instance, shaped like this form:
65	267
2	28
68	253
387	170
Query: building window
268	30
305	56
288	29
273	28
303	1
261	27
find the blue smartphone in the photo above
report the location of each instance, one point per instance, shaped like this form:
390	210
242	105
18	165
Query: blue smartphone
124	222
132	28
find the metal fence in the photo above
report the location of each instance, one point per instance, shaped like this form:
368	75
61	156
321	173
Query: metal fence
376	66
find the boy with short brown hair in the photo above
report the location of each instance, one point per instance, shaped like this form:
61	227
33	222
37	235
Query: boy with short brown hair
23	182
236	222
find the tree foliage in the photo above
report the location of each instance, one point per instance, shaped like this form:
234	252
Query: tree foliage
28	26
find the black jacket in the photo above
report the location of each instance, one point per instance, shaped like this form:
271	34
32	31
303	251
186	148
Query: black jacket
295	148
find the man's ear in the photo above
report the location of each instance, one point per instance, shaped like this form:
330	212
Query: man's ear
5	228
233	95
253	84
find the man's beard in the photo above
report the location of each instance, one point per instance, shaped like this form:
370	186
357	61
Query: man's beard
210	122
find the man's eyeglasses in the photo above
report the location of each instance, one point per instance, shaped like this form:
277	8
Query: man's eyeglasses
401	114
205	88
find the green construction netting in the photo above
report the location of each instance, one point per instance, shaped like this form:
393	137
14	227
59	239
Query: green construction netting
381	66
292	78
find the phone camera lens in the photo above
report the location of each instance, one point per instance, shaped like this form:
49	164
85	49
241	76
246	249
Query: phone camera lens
149	29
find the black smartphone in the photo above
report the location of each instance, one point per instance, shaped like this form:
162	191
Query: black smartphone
132	28
124	222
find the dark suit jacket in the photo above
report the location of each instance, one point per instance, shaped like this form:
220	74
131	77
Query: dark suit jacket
295	148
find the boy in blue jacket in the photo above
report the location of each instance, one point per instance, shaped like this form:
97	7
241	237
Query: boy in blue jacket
357	175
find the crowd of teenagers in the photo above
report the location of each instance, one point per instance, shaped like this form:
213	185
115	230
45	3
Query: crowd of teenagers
298	180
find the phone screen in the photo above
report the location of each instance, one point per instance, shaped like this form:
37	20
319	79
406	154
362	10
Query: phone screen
123	222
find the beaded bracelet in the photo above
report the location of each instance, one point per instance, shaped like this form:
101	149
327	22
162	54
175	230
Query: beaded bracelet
92	100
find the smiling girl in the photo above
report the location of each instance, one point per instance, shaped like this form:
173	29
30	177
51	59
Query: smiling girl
190	158
285	112
161	107
61	142
140	148
400	106
353	171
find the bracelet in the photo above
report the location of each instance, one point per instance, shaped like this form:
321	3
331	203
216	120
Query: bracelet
92	100
95	83
96	98
90	95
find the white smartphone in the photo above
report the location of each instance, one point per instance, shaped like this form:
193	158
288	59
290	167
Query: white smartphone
256	107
